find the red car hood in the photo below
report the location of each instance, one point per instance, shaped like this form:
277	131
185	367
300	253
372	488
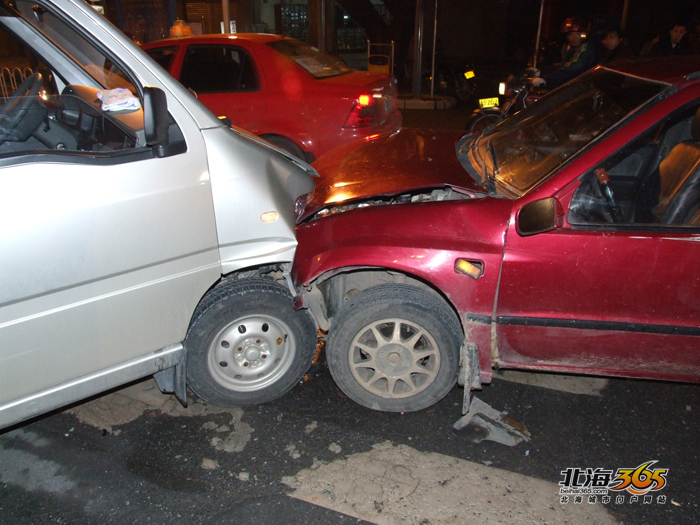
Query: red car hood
407	160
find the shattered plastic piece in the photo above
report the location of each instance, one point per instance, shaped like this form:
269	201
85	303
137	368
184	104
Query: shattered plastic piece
483	422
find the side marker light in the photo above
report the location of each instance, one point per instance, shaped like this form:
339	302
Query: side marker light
269	216
473	269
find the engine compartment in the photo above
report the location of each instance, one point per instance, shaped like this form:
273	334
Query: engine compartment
426	195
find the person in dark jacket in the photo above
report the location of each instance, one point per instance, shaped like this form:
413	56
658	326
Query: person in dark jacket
676	43
615	48
580	55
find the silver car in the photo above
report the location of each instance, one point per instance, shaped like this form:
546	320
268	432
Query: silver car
139	234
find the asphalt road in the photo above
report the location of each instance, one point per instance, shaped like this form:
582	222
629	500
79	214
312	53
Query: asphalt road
164	467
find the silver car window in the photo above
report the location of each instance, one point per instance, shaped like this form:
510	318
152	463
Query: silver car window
93	60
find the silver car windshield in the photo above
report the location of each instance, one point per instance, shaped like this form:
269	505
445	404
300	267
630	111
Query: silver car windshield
91	59
316	62
523	150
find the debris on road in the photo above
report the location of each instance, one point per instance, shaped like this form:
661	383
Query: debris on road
483	422
209	464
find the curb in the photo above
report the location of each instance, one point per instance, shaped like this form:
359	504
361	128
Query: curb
425	102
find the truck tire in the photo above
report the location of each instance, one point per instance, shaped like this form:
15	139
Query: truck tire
395	348
247	345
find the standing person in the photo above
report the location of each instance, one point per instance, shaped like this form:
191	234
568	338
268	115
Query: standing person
577	54
675	43
573	30
615	47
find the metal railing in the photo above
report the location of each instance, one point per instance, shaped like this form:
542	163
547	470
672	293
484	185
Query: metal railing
10	78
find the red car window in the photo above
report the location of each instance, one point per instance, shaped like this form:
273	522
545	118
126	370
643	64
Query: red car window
316	62
653	181
163	55
219	69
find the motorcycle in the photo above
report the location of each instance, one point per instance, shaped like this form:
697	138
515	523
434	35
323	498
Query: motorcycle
456	81
519	91
451	81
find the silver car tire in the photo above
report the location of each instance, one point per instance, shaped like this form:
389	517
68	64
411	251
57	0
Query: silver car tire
395	348
247	345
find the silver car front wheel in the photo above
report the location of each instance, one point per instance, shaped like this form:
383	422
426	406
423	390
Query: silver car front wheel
247	345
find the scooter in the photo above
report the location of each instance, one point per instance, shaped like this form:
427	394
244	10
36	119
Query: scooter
451	81
519	91
456	81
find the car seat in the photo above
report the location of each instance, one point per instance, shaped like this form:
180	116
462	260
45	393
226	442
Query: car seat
679	180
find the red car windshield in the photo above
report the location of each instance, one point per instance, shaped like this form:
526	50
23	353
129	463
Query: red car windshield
522	151
316	62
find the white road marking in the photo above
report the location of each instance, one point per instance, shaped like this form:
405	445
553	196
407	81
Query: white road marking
394	485
28	470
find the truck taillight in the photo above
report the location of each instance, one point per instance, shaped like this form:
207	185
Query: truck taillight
363	114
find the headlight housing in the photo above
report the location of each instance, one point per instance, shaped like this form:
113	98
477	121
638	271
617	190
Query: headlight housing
300	204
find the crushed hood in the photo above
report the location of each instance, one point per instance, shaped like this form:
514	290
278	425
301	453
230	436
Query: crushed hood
407	160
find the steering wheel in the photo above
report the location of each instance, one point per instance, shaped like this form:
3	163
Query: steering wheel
16	120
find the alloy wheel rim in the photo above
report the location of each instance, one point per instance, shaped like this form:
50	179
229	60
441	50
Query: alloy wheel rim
394	358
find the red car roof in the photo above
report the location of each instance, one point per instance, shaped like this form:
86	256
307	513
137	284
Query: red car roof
673	70
260	38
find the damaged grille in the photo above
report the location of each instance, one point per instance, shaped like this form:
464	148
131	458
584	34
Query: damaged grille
442	194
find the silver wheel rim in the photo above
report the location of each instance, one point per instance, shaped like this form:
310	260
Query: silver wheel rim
394	358
251	353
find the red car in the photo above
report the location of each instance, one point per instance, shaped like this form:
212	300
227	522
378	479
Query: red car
566	238
295	96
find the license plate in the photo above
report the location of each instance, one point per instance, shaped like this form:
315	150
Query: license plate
488	102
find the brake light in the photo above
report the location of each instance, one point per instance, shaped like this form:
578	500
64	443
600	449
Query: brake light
363	114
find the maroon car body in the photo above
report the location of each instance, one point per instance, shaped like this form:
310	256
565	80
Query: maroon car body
579	217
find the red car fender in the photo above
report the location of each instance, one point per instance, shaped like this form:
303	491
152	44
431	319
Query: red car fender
422	240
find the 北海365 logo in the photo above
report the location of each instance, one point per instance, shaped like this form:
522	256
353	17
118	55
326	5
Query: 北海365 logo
640	480
637	481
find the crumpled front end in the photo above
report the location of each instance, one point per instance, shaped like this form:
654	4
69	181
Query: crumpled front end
254	188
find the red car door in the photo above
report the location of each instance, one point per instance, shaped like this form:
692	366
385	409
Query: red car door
226	80
614	290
